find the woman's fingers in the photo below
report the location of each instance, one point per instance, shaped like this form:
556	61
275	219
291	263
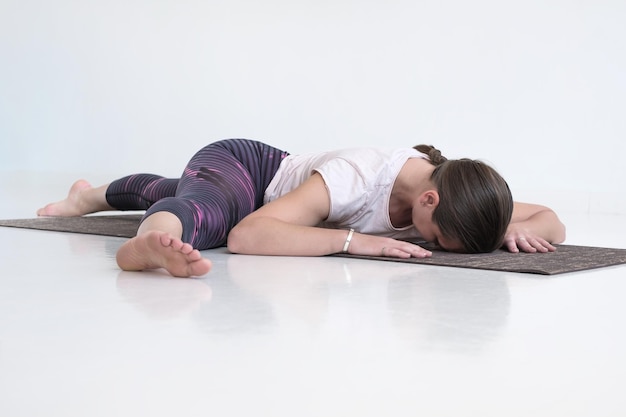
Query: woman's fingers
363	244
405	250
528	244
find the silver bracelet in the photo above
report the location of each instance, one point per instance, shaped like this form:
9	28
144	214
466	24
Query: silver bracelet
348	239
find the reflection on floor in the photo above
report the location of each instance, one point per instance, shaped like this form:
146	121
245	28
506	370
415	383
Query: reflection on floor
281	336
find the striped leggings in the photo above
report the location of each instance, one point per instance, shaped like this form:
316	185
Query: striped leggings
224	182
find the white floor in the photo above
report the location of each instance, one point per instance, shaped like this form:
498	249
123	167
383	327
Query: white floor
277	336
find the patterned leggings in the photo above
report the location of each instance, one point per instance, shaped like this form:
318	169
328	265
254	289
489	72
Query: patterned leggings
224	182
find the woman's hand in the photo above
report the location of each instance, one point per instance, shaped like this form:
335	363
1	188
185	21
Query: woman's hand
363	244
533	228
518	239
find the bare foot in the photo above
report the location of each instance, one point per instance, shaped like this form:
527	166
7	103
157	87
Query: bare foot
154	249
73	205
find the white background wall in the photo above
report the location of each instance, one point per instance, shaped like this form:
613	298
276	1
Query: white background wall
107	88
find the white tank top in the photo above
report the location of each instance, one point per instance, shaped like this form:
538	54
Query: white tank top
359	183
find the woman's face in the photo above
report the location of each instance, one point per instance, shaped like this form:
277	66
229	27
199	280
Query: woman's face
422	216
429	230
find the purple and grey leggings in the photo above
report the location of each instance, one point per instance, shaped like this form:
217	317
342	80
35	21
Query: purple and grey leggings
224	182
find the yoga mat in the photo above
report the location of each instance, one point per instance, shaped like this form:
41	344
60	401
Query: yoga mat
116	225
567	258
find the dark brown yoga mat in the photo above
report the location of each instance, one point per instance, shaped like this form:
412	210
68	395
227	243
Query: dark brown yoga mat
116	225
567	258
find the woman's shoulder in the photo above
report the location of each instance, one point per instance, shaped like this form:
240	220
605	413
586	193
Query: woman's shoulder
368	155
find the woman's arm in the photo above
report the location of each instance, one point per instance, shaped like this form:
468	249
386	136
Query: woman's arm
286	226
533	228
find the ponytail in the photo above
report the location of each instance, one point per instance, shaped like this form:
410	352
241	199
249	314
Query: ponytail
434	155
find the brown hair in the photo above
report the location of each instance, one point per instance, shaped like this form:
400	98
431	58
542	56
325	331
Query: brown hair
475	202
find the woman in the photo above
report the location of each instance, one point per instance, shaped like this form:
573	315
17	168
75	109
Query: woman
260	200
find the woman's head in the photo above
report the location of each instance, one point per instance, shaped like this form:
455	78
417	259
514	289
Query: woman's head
475	202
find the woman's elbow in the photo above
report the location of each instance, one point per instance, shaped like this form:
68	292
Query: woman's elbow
235	242
560	234
556	228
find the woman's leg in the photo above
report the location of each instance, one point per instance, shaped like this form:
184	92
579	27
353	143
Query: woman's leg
157	244
222	183
140	191
134	192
